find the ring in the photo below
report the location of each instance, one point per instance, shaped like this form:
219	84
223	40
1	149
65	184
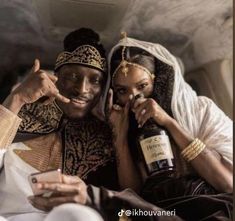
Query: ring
116	107
143	111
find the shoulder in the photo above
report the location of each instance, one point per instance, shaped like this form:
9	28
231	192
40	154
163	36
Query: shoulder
101	127
205	101
211	109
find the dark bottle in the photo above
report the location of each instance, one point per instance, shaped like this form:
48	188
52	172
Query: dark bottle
155	147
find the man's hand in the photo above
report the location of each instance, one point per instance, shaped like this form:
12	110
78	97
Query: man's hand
71	190
37	84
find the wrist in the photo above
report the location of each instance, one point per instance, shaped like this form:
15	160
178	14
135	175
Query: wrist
181	136
119	136
170	123
14	103
120	139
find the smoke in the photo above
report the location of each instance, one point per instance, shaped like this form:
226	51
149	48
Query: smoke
180	25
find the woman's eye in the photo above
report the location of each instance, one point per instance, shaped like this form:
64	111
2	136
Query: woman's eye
142	86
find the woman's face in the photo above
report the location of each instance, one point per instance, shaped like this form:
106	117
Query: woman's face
135	82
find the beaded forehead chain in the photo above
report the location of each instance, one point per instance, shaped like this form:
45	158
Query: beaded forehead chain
124	63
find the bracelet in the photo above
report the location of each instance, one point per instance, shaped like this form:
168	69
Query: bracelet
193	150
190	147
195	153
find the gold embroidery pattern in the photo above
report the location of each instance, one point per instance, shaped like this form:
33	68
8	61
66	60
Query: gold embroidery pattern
44	153
86	144
87	147
9	124
85	54
39	119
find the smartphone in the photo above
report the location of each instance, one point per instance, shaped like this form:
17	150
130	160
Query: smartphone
50	176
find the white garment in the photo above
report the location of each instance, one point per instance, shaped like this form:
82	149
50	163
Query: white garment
27	217
68	212
14	189
14	185
73	212
196	114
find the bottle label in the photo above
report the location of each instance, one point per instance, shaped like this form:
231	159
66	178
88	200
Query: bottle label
156	148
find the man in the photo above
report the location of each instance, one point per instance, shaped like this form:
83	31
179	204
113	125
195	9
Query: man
56	129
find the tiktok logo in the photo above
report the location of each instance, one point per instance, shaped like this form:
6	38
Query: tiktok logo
121	212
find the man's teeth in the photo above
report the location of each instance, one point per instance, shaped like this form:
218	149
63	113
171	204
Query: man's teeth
79	101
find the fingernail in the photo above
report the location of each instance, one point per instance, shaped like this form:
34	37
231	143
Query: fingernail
131	96
116	107
66	100
143	111
139	125
39	185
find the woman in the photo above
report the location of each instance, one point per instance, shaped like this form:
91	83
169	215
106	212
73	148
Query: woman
139	67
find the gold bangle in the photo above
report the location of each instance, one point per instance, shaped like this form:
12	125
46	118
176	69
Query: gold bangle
196	153
190	147
193	150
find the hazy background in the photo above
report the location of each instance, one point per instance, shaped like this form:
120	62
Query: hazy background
197	31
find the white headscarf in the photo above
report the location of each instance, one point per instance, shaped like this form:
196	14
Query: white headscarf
196	114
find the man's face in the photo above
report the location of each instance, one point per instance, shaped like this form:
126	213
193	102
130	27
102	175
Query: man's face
82	85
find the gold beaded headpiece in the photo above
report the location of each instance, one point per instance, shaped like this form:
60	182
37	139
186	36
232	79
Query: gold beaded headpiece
124	63
84	55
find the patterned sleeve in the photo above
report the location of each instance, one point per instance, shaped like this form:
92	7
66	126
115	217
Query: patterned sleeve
9	123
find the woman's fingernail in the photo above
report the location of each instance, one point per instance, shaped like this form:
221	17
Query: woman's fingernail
131	96
143	111
116	107
39	185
